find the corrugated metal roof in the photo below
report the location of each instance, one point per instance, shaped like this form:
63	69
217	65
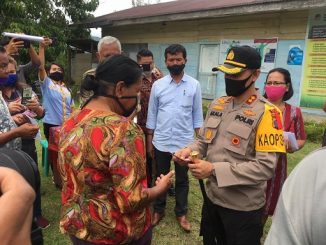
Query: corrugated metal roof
190	9
174	7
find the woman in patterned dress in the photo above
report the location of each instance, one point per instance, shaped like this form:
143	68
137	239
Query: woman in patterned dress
278	89
102	159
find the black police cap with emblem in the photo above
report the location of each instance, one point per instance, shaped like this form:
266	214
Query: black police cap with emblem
239	59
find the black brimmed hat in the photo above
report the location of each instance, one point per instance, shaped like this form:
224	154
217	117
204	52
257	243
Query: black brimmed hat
239	59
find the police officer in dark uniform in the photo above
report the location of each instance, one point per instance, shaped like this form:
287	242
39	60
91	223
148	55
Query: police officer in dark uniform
240	141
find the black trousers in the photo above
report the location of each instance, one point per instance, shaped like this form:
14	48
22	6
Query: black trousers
28	146
223	226
149	170
46	129
163	164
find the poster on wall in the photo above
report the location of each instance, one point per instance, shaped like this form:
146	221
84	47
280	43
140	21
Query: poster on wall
295	55
267	48
313	88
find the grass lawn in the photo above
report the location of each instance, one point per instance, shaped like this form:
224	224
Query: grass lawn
168	231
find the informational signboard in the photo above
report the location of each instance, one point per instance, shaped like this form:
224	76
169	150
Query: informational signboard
267	48
313	88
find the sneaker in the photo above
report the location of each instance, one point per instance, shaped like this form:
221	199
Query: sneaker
42	222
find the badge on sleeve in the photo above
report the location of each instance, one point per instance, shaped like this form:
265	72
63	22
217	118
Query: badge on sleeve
269	137
251	99
208	134
218	108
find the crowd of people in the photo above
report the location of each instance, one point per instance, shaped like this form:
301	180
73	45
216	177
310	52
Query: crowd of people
116	149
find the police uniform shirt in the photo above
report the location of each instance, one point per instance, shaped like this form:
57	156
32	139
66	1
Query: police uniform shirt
242	141
84	95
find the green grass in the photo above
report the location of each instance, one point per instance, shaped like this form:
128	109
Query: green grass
168	231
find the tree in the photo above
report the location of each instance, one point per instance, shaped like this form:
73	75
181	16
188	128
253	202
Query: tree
136	3
47	18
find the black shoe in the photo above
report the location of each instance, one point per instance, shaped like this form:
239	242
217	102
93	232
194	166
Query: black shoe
171	191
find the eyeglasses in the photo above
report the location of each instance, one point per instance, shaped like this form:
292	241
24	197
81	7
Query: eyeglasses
274	83
4	66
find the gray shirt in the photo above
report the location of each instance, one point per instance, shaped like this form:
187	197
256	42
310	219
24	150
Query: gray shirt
301	209
25	70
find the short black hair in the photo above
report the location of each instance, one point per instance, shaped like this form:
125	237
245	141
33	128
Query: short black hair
48	68
175	48
287	78
144	53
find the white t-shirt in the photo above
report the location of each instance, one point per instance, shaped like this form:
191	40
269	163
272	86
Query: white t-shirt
300	216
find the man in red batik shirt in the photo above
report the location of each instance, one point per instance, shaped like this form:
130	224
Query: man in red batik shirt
150	75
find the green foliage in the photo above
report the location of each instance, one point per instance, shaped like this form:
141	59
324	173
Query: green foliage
136	3
205	105
47	18
315	131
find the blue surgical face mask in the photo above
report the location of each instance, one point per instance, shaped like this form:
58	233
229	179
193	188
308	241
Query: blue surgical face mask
9	81
3	81
12	79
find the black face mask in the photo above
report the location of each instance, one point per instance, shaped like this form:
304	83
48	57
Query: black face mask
236	87
126	112
176	69
56	76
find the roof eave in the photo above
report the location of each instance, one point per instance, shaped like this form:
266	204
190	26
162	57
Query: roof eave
276	6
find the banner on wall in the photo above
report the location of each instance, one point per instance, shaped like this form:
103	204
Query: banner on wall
313	88
267	48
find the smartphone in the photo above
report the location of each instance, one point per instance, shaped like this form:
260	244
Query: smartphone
187	160
146	67
26	95
27	43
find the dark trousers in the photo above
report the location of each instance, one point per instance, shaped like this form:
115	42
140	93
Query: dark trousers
323	143
46	129
225	226
28	146
163	162
149	170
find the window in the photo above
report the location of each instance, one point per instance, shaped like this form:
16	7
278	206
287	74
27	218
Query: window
209	54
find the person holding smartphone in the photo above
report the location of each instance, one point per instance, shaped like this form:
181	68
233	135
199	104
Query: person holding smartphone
24	107
57	98
241	140
10	134
150	75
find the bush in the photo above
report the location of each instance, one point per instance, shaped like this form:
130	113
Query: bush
205	109
315	131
